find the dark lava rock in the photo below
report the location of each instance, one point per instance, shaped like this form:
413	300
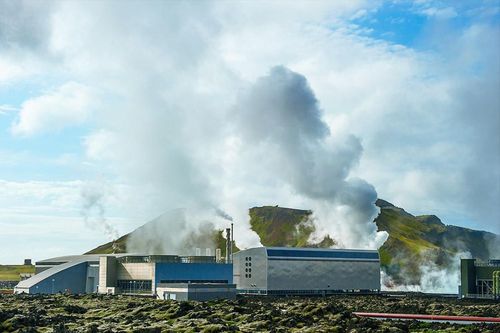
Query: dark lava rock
74	309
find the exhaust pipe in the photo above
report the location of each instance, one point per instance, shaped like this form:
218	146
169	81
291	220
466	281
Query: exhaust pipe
228	245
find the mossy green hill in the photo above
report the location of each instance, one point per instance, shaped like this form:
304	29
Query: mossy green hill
278	226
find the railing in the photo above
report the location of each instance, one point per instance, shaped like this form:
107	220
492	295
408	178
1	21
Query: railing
198	259
487	263
167	259
482	296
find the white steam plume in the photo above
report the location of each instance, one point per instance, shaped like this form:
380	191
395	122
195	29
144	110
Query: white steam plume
431	277
94	209
223	214
179	231
278	121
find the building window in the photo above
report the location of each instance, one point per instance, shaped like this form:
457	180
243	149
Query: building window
249	275
134	286
246	276
193	281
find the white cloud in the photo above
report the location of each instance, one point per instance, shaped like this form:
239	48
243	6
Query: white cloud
48	215
7	108
69	104
97	145
440	13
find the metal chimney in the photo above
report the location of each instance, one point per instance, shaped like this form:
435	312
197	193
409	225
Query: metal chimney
232	242
228	244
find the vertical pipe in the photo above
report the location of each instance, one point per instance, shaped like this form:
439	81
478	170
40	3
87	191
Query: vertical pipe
496	284
232	241
228	244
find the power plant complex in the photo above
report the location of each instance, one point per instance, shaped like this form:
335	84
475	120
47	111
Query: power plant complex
261	270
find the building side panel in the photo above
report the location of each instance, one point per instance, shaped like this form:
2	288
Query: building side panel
92	278
107	273
70	280
467	277
250	269
135	271
323	275
193	272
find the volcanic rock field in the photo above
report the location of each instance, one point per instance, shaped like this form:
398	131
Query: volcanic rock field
93	313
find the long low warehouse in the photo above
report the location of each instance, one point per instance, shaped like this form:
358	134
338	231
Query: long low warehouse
305	271
262	270
122	273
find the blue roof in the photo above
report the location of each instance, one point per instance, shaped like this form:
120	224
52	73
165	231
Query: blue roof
323	253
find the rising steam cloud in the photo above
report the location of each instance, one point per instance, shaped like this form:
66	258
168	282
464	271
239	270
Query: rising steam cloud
286	150
279	123
94	210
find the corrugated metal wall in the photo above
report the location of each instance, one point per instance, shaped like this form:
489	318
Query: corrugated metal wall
193	272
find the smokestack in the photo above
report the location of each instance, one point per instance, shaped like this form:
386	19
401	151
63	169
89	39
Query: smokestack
232	241
228	244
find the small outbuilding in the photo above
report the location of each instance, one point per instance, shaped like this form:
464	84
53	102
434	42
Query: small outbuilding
195	291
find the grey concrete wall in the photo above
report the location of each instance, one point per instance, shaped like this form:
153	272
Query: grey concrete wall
107	273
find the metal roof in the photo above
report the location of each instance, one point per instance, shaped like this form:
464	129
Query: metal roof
307	253
82	257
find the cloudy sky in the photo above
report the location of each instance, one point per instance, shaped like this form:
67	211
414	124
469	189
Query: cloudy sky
113	112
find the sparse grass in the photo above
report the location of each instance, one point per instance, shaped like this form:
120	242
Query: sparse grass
11	272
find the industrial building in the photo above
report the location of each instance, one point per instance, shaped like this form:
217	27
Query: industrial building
122	273
305	271
262	270
195	291
479	279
